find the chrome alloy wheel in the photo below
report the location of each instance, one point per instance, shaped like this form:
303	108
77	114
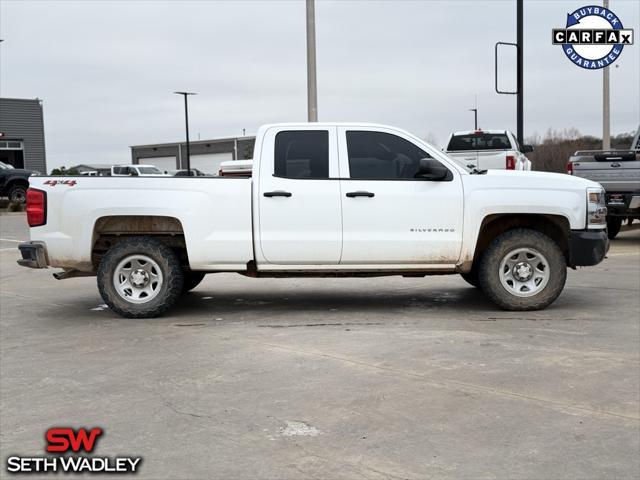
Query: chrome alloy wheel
137	279
524	272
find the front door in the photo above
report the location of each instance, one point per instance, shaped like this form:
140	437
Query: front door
389	215
299	197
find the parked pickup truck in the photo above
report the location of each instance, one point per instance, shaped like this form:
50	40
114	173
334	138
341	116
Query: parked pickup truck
14	183
488	149
618	171
325	200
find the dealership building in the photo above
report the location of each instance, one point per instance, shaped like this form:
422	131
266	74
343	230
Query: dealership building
205	155
22	134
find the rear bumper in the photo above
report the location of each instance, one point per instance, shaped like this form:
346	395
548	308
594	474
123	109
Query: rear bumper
34	255
623	204
588	247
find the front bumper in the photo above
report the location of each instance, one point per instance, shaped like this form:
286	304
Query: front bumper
587	247
34	255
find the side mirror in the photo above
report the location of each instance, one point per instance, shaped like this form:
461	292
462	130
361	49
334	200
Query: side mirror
431	169
527	148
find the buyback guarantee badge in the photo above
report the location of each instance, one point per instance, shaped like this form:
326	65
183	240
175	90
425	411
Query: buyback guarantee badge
593	37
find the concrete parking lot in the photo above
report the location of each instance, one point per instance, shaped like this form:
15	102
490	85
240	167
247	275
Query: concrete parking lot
330	378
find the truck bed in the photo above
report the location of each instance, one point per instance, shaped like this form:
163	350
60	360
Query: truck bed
215	214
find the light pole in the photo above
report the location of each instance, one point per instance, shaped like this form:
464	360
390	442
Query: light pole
519	68
475	115
312	88
186	122
606	106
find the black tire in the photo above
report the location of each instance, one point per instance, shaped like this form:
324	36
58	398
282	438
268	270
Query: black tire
18	194
613	226
471	278
165	258
500	248
191	280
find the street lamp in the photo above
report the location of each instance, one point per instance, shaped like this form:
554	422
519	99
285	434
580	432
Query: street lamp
475	115
186	122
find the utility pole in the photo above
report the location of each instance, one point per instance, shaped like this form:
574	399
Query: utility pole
520	80
606	106
186	122
312	88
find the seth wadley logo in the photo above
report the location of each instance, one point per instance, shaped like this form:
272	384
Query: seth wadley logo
593	37
65	440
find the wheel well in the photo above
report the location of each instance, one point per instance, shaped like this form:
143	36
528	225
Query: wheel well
16	181
555	227
110	230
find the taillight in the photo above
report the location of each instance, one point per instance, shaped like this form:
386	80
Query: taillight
36	207
511	163
570	168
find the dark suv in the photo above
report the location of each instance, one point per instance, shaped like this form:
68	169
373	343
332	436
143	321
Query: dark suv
14	183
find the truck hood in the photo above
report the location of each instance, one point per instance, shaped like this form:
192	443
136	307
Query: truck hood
539	179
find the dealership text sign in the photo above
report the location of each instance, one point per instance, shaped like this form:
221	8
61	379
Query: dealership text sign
69	441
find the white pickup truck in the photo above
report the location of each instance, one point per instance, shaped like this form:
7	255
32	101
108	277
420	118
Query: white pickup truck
325	200
488	149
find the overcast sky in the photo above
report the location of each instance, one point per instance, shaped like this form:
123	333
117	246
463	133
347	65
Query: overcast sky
106	70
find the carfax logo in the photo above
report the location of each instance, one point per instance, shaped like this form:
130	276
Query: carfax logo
593	37
68	443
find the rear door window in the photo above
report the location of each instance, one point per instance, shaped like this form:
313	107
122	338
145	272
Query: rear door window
479	141
302	154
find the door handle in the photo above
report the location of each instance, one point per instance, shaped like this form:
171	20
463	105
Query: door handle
277	193
360	193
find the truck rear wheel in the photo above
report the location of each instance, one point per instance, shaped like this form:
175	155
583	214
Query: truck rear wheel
614	224
140	278
523	269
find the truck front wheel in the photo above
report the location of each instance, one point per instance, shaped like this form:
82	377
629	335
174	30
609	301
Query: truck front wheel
471	278
140	278
523	269
18	194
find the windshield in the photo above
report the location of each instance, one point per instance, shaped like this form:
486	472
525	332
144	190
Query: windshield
479	141
4	166
149	171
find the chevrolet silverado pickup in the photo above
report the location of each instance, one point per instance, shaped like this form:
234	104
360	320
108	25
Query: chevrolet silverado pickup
324	200
488	149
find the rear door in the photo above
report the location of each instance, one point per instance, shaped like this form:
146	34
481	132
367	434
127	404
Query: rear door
389	215
300	214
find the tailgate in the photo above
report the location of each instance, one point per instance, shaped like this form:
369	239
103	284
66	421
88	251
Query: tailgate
613	175
494	159
467	158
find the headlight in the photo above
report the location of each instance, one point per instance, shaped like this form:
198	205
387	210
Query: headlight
596	209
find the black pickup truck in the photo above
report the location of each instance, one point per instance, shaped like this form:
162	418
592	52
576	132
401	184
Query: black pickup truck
14	183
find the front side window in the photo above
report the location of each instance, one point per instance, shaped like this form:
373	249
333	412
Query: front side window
302	154
383	156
